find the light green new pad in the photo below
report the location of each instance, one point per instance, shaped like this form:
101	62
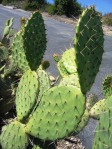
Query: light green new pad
58	113
103	132
18	53
26	95
13	136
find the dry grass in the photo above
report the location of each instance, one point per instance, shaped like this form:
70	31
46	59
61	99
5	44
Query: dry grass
107	19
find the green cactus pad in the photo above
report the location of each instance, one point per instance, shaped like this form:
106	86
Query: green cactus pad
98	109
36	147
58	113
26	95
107	86
91	100
70	80
83	121
3	53
103	132
34	40
13	136
44	82
29	44
62	69
68	61
18	53
88	44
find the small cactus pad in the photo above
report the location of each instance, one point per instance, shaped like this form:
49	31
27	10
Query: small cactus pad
107	86
68	61
70	80
18	53
83	121
62	69
44	82
103	132
3	53
88	45
91	100
26	95
13	136
36	147
58	113
98	109
34	40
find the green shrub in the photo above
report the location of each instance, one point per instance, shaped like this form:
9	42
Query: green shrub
1	1
107	19
5	2
50	9
67	7
30	5
34	5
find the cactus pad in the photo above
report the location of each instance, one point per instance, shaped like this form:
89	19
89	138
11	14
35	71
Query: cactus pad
88	44
91	100
44	82
18	53
62	69
36	147
107	86
70	80
103	133
13	136
29	44
98	109
26	95
67	64
83	121
34	40
68	61
58	113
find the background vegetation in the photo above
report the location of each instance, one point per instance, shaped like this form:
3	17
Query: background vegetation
107	19
69	8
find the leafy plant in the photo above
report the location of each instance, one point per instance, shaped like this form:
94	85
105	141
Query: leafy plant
67	7
107	19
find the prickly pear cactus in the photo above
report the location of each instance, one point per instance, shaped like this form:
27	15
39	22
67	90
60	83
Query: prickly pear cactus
8	31
58	113
83	122
36	147
70	80
98	109
34	31
103	132
107	86
88	45
67	64
68	61
44	82
62	69
91	100
26	95
13	136
29	44
18	53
